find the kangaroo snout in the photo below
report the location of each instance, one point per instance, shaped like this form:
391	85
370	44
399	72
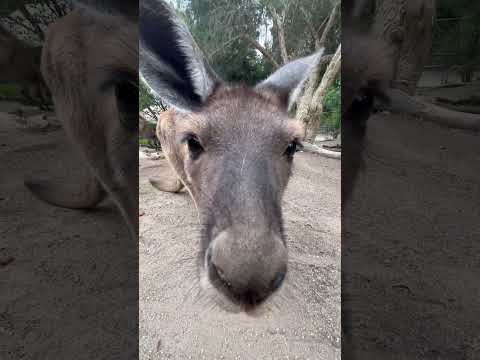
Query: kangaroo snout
246	271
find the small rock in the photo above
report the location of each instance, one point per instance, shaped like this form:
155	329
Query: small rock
4	261
37	121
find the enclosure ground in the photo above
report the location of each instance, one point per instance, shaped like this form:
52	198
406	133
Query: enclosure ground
63	283
412	268
301	322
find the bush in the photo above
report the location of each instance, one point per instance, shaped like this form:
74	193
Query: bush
9	91
331	109
145	98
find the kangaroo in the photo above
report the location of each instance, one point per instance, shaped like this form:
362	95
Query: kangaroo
90	64
232	148
20	64
368	67
366	77
146	130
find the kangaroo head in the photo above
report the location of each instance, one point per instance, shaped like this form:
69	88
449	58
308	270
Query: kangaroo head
232	147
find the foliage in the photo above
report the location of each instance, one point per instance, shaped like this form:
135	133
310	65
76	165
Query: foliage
305	17
331	109
216	25
240	38
9	91
148	103
224	30
457	32
143	142
145	98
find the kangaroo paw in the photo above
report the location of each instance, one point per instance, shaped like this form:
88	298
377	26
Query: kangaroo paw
78	196
174	186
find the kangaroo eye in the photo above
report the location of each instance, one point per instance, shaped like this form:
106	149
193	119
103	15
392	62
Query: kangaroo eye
194	147
292	148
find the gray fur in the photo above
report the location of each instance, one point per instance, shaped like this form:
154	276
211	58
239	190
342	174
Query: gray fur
162	75
92	113
291	77
203	77
233	155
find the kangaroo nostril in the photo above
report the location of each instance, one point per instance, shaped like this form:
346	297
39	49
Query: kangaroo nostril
220	274
209	257
277	282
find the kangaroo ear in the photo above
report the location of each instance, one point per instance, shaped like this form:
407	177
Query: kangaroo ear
287	81
171	63
127	8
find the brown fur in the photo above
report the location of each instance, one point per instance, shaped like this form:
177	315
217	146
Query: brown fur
82	58
173	123
147	131
237	184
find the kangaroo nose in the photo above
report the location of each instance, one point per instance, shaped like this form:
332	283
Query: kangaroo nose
251	293
247	274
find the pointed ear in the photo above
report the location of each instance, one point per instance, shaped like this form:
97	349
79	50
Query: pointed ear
171	63
287	81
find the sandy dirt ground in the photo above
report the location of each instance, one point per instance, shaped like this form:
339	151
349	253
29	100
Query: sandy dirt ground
63	281
302	321
65	289
407	244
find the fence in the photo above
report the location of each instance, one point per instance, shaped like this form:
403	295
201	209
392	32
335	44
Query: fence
455	41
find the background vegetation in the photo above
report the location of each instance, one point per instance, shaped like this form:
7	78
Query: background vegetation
246	40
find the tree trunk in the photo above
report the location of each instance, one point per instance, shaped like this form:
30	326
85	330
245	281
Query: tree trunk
310	107
61	10
31	19
20	22
320	41
408	26
280	27
402	103
255	44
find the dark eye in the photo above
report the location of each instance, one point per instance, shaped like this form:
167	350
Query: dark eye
194	147
292	148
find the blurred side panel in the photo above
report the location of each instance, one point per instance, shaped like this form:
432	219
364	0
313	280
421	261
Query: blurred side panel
68	180
410	179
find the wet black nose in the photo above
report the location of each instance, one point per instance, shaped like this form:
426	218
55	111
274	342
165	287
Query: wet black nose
245	287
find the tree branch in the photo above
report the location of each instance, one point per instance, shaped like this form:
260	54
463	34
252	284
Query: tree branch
329	76
38	31
308	19
19	23
401	102
60	10
254	43
318	33
53	8
221	47
320	151
324	60
310	106
320	41
280	26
